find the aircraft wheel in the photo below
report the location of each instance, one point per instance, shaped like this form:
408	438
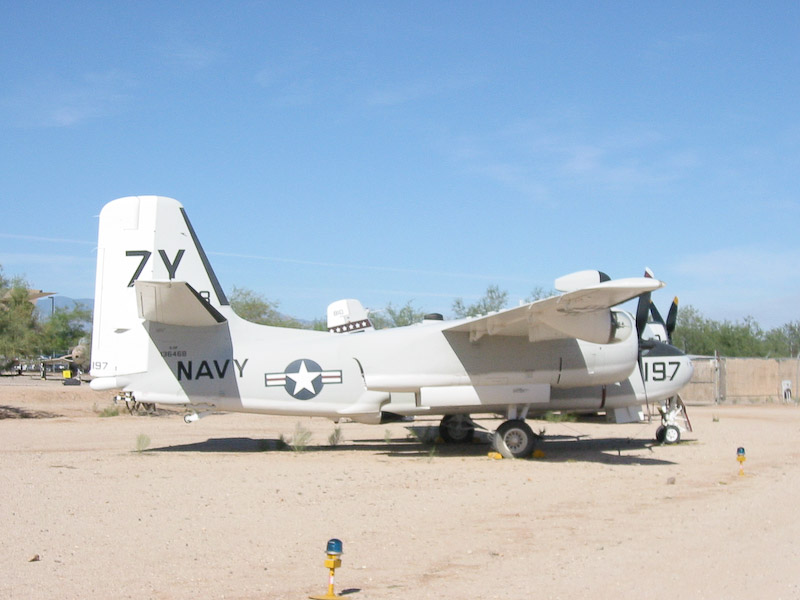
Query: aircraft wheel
456	429
672	435
660	434
514	439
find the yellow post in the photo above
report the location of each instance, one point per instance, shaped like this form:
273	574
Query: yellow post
740	456
332	562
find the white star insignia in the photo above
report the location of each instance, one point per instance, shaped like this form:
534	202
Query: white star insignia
303	379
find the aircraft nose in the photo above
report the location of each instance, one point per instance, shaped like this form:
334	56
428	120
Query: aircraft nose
688	369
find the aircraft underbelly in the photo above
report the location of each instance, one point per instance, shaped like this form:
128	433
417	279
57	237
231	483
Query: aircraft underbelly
455	396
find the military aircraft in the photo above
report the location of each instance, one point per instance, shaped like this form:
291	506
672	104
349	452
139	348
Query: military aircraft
78	357
652	380
164	332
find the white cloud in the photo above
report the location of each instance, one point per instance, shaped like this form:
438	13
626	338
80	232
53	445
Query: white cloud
732	283
540	157
753	264
328	265
516	177
397	94
34	238
401	94
191	55
53	101
16	260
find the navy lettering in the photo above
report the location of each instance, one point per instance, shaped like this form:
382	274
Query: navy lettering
221	373
213	369
240	366
184	371
204	370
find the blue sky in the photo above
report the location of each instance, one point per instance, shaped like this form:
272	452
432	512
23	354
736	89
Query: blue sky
414	150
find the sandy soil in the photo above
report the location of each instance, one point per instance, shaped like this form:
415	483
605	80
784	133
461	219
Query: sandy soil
215	510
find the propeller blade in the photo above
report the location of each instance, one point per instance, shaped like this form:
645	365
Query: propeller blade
645	305
641	313
672	317
656	315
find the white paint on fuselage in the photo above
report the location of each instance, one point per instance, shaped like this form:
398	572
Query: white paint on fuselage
226	365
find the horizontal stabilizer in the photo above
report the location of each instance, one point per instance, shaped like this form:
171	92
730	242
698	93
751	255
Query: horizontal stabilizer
582	313
348	316
174	303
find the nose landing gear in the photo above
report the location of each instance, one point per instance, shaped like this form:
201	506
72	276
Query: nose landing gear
674	421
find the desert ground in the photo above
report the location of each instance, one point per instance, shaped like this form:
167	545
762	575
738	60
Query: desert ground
219	509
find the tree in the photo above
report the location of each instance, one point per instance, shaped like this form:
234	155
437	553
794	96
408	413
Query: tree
784	340
254	307
539	293
693	332
396	317
741	338
696	334
318	325
64	329
18	322
493	300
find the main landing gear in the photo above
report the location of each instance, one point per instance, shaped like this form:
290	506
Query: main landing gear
513	439
457	429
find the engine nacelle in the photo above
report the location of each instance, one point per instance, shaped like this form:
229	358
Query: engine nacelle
622	326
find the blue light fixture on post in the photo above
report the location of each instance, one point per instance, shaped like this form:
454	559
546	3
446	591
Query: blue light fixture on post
333	560
741	457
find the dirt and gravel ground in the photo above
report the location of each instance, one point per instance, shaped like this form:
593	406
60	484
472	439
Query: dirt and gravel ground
215	510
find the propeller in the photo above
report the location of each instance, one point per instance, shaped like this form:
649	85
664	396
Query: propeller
672	317
643	308
646	306
641	313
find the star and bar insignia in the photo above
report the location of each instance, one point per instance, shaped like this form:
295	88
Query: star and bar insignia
303	378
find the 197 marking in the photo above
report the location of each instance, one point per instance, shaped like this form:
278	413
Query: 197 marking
660	370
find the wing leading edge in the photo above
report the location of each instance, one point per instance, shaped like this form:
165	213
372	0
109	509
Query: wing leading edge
584	314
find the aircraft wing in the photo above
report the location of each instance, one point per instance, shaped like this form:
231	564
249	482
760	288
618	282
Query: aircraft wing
583	314
174	303
65	358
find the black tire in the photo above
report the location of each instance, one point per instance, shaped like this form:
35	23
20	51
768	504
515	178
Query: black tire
456	429
514	439
660	434
672	435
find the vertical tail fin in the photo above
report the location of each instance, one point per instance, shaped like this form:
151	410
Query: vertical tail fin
147	238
